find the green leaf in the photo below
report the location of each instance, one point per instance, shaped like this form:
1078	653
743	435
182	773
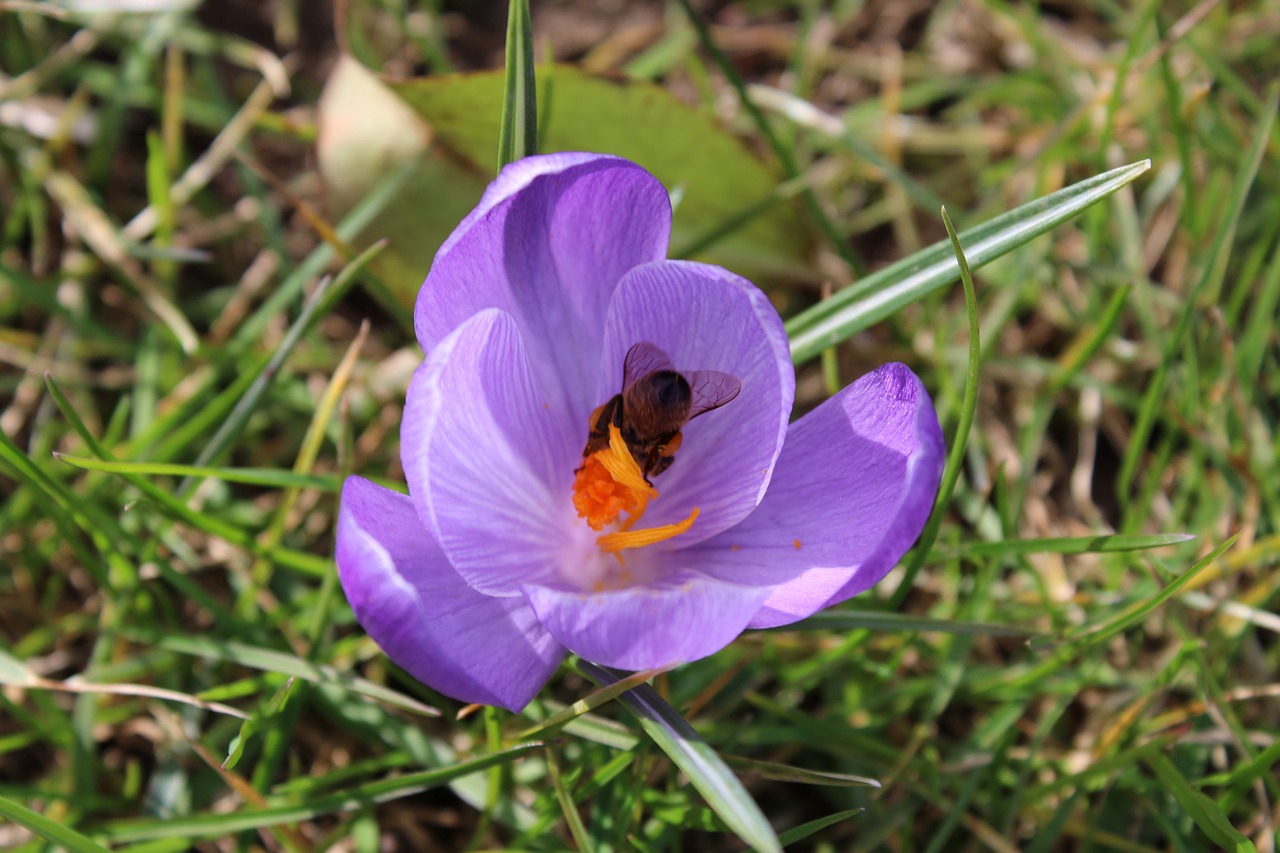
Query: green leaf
518	136
706	771
880	294
64	837
365	132
1212	821
718	177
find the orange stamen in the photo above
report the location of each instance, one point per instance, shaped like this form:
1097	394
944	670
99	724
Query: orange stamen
597	497
610	483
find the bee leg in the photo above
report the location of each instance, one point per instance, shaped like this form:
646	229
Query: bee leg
598	427
665	454
672	444
653	464
662	464
593	422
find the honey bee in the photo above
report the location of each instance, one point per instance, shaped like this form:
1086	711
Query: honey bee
655	403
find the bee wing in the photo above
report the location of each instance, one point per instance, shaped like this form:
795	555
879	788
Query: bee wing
711	390
642	359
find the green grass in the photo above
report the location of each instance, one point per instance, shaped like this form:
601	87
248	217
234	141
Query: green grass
1058	668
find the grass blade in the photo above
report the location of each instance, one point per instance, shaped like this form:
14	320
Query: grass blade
804	830
968	407
178	510
361	796
784	154
35	682
273	478
880	294
1104	544
882	620
582	706
256	722
1093	635
64	837
581	836
270	660
798	775
709	774
374	203
1210	282
1200	808
518	136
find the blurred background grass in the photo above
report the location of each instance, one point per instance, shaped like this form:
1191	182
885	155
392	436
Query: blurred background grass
175	185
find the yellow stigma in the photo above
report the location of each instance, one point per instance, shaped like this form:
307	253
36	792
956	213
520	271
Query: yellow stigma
615	542
610	483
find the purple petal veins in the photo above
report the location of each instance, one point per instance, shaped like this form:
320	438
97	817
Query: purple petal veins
425	617
850	493
548	244
682	615
489	466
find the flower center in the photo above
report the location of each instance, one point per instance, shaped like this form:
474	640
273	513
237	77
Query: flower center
610	483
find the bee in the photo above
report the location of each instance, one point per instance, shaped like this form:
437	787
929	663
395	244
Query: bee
655	403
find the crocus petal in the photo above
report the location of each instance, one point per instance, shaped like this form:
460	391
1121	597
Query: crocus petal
707	318
489	463
852	490
682	617
425	617
550	240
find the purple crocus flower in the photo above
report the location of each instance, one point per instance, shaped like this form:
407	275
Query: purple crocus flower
512	548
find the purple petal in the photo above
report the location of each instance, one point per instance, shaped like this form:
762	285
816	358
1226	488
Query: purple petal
851	492
489	462
707	318
425	617
548	243
682	617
